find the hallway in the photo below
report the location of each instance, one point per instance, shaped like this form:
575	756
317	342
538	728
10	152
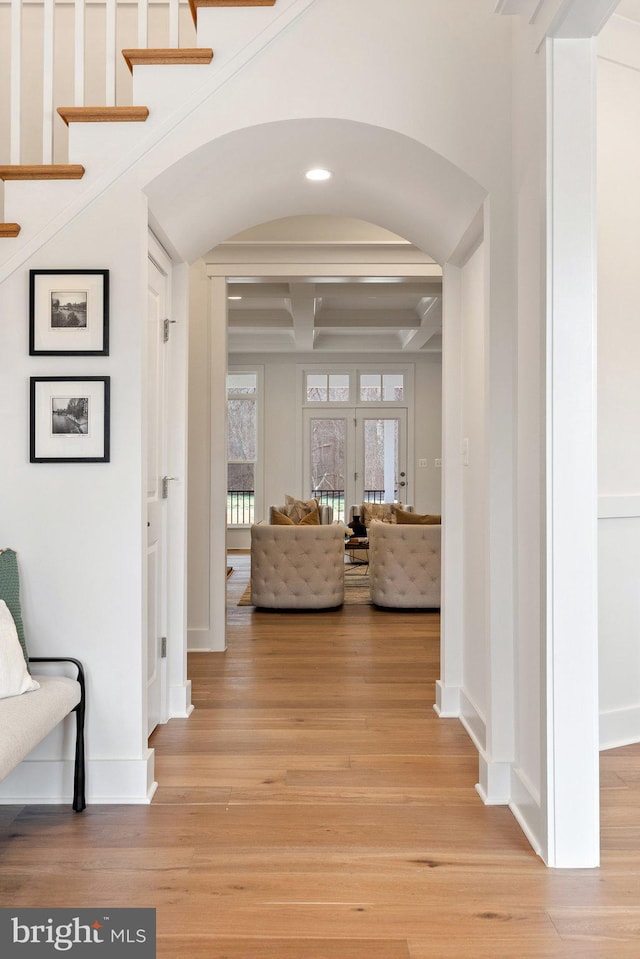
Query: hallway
314	807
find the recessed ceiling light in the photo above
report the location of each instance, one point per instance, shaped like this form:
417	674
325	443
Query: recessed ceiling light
234	297
318	174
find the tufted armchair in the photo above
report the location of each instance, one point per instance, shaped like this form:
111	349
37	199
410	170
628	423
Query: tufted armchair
404	565
297	567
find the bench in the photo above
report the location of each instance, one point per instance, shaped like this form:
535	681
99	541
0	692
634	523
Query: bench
25	720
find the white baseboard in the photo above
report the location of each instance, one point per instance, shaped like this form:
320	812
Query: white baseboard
525	806
473	721
447	704
180	706
619	727
199	641
494	787
50	782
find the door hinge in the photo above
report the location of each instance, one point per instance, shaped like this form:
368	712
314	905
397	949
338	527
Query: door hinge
163	647
165	485
165	329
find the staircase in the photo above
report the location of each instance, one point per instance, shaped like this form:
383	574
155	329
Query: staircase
90	142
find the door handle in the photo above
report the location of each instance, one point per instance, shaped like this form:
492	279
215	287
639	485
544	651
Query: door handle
402	483
165	485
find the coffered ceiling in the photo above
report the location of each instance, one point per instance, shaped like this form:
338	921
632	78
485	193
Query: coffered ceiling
330	305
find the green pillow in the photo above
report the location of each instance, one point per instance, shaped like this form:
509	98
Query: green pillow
10	593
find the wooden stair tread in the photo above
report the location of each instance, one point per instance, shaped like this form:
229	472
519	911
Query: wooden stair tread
170	55
44	171
194	4
103	114
9	229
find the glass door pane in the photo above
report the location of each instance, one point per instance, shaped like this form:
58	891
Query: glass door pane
327	474
382	457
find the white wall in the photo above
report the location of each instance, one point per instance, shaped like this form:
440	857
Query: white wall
619	392
529	184
78	529
476	644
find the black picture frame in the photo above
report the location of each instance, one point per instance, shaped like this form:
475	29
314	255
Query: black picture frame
70	419
81	326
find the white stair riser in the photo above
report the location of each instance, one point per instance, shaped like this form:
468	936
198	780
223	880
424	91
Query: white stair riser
163	87
227	29
96	145
36	201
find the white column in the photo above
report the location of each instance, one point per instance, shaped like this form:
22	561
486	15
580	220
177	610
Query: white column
451	633
218	507
572	651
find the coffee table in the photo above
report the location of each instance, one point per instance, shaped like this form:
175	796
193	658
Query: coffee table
354	545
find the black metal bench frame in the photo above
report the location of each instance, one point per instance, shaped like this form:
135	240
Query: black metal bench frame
79	802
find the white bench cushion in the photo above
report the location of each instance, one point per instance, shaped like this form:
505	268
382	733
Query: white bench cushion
25	720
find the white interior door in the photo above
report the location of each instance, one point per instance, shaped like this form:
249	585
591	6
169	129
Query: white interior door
381	456
156	504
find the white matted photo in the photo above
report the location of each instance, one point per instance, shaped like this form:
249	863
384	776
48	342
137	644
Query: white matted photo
69	312
70	420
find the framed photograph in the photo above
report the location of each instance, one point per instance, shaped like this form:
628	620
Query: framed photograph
68	312
69	419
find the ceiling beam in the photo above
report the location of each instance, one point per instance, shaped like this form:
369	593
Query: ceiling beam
260	342
267	319
429	311
302	297
402	319
357	343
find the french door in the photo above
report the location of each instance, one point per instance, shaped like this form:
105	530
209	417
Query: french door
352	455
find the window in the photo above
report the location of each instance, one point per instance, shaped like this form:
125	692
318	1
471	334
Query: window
381	387
327	388
242	447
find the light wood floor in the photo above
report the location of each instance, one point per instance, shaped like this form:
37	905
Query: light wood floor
314	807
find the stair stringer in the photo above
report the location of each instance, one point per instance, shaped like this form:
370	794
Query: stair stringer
135	143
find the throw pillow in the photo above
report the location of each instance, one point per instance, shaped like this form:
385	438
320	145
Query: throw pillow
385	512
297	509
311	519
14	677
10	593
277	518
417	519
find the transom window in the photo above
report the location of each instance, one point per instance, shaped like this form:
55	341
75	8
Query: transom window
328	387
381	387
355	387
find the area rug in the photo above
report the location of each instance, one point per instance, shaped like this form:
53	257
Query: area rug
356	590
